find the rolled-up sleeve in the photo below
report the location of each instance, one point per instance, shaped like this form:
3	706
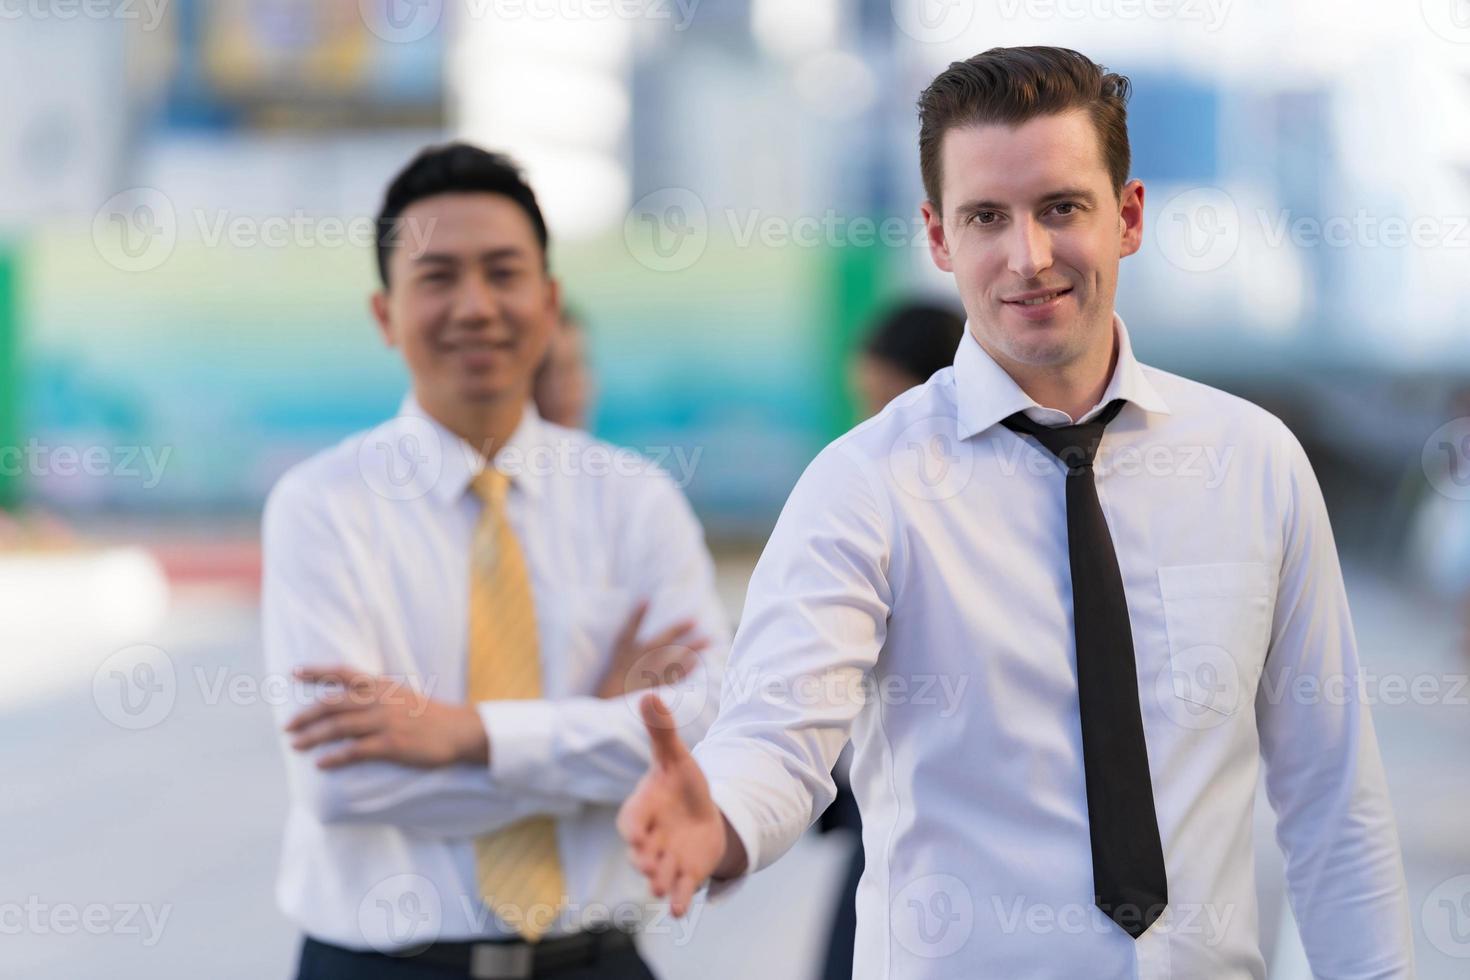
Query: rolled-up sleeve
1324	776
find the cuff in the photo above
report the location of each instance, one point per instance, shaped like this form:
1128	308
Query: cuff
521	734
744	824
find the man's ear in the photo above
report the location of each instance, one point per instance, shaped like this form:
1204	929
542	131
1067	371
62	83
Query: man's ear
378	303
934	233
1130	216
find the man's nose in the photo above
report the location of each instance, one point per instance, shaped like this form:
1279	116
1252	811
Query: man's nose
1030	249
475	300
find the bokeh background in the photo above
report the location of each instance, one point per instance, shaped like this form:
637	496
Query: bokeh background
186	194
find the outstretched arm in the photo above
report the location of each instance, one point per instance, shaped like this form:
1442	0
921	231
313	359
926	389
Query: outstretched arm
816	616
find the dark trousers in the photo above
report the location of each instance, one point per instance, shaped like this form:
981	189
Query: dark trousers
322	962
843	815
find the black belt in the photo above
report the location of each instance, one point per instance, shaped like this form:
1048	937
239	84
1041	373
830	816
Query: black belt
513	959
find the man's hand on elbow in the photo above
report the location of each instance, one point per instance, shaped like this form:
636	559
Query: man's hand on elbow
384	719
663	658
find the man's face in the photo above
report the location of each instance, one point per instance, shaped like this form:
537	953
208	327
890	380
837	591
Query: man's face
1030	212
470	305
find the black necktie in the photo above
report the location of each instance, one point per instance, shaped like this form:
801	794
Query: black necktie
1128	877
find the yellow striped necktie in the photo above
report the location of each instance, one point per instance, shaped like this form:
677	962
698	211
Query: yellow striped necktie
518	867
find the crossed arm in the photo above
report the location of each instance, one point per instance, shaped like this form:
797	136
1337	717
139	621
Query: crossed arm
370	748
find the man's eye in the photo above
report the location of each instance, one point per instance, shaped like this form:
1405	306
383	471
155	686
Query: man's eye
984	217
1067	204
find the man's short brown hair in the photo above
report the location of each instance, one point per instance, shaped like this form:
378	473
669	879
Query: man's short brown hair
1011	85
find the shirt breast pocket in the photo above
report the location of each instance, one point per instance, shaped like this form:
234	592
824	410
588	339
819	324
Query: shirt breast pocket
1218	621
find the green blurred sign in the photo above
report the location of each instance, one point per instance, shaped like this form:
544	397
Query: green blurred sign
10	483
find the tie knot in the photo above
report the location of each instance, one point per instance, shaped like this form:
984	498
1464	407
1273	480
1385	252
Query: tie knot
1075	445
490	485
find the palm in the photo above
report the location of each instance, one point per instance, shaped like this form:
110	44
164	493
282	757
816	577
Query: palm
675	833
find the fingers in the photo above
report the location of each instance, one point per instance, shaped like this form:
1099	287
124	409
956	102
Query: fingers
345	676
644	862
321	710
665	870
637	819
669	636
639	827
663	733
358	690
358	750
630	629
683	893
679	664
348	725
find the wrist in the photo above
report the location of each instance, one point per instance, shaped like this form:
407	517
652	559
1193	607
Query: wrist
473	741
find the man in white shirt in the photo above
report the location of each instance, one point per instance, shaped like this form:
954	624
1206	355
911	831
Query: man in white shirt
1062	603
464	589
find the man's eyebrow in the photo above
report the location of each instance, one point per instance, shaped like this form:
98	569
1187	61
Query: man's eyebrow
447	258
1064	193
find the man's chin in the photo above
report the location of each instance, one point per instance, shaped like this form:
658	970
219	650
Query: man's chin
1038	346
482	394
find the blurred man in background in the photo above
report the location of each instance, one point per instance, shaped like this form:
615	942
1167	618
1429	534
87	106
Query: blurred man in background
457	584
1123	643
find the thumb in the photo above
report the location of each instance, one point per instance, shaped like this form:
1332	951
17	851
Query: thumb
663	731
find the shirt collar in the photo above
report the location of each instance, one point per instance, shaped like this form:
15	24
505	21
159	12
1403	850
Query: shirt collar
986	393
462	461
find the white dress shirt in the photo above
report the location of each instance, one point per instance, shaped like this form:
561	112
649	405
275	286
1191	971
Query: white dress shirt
366	553
916	595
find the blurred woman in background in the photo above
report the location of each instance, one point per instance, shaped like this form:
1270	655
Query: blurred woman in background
906	347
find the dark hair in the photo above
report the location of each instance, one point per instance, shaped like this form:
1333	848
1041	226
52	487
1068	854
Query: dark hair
917	338
452	168
1011	85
